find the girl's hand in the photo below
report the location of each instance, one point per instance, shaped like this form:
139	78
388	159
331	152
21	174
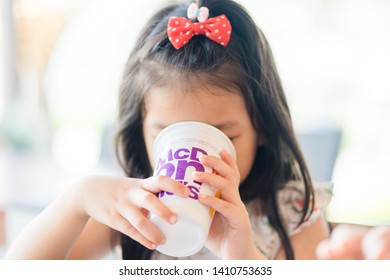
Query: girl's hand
230	233
124	203
355	242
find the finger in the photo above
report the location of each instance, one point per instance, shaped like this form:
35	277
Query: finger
141	225
217	164
213	180
224	166
122	225
226	157
151	203
160	183
348	237
344	244
228	210
376	243
327	250
228	190
323	251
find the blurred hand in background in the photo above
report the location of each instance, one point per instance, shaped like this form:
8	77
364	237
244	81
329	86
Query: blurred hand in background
356	242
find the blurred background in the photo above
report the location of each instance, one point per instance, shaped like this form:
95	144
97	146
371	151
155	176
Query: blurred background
60	68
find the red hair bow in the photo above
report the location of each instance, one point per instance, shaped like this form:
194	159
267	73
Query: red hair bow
181	30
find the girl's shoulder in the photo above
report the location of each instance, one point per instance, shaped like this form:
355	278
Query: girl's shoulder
291	200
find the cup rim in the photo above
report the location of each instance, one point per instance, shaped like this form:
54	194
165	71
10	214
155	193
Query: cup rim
197	124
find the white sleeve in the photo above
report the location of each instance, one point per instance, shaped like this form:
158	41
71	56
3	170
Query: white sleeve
291	201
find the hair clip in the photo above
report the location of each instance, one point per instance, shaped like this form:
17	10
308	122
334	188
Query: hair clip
193	12
181	30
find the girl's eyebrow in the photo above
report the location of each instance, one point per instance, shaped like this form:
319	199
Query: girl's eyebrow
226	125
158	126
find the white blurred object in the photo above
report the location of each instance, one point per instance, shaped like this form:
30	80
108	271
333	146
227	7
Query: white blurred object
76	148
86	65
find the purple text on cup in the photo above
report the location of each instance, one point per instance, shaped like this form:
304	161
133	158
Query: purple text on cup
174	165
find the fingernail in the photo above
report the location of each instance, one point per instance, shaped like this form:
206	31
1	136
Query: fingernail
173	219
196	174
202	195
202	157
153	246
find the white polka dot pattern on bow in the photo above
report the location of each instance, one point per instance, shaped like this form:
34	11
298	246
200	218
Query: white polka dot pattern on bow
181	30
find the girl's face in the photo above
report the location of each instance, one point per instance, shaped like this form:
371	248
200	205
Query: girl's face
224	110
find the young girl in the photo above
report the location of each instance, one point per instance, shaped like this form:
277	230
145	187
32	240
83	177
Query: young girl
216	68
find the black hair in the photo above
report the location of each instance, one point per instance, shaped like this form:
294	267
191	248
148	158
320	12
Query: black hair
245	63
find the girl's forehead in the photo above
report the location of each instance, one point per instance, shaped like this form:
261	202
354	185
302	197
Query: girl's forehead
202	104
182	92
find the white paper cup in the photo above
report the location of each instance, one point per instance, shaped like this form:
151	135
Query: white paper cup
176	153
